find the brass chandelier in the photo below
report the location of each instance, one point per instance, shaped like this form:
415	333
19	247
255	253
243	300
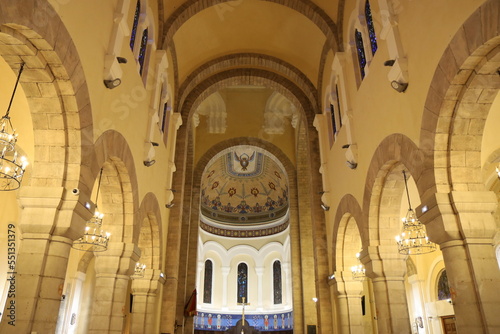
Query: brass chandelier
358	271
12	166
94	238
413	239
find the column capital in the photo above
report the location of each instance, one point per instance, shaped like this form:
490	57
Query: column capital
119	259
383	261
459	215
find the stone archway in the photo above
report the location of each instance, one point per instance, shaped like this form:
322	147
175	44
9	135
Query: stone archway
381	209
119	204
464	85
55	88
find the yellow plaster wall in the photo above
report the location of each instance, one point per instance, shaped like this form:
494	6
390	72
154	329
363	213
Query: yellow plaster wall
378	110
255	26
245	117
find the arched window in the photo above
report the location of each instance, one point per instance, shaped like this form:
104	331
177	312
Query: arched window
135	24
360	49
142	51
443	289
277	291
207	285
242	282
371	28
332	116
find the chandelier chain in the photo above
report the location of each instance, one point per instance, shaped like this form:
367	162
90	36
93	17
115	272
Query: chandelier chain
14	92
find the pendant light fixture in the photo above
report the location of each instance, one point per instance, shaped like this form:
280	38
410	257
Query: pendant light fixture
12	166
94	239
413	239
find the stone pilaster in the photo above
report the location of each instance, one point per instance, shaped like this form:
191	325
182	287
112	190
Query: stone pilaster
387	268
464	227
349	292
113	269
41	260
145	290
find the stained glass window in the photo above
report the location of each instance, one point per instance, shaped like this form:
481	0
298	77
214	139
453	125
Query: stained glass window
371	28
332	114
361	52
134	26
142	51
207	288
165	118
443	287
242	282
277	292
338	105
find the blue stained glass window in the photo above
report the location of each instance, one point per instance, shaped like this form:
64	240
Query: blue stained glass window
242	282
332	114
277	291
207	287
443	287
361	52
134	26
142	51
371	28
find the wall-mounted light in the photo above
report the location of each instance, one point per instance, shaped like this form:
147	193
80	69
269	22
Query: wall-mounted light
315	299
149	163
399	86
169	205
112	83
351	164
325	207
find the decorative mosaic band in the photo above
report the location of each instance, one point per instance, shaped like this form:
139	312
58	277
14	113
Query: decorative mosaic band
262	322
244	233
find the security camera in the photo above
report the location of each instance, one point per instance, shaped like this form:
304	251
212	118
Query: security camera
75	191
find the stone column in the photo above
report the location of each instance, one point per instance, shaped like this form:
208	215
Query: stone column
387	268
144	290
349	292
463	225
113	269
40	266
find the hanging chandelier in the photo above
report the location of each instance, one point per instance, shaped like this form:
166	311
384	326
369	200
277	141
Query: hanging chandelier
358	271
94	238
413	239
139	270
12	166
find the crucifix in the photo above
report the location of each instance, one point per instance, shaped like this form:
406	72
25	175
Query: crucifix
243	312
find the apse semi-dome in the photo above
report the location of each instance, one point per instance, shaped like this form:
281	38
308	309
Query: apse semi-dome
244	193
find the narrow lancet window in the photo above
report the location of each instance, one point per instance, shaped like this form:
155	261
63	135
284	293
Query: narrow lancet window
360	49
135	24
277	290
242	283
371	28
207	288
142	51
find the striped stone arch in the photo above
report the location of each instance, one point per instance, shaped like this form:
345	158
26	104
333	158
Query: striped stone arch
257	77
119	188
465	83
247	60
348	211
384	187
307	8
149	216
55	88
